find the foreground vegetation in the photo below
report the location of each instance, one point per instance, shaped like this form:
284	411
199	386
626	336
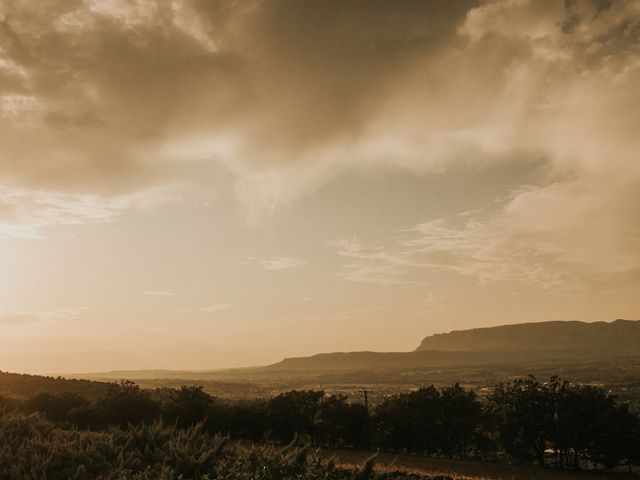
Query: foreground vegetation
33	448
525	421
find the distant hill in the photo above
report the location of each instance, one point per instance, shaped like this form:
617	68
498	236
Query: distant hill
512	344
579	348
22	386
600	338
380	361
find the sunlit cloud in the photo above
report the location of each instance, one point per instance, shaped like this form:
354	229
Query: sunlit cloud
24	213
358	315
216	307
158	293
282	263
440	85
51	316
558	237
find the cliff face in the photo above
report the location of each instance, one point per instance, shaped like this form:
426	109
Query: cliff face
620	336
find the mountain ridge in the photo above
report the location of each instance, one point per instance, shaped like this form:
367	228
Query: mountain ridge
618	336
513	344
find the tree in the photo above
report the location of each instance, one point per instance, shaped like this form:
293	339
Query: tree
126	403
460	418
188	405
245	419
293	412
590	424
393	426
342	423
425	413
523	414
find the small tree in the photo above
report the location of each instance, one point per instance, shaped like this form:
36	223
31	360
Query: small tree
126	403
188	406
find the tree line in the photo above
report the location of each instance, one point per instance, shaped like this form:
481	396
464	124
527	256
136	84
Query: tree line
526	420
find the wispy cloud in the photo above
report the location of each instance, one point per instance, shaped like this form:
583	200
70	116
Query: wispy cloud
216	307
19	319
352	315
282	263
557	237
26	318
158	293
24	213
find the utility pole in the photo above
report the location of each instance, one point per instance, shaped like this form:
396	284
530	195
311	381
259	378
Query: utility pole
366	399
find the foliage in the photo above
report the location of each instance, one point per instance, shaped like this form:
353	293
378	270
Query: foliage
294	413
578	422
33	448
430	421
340	423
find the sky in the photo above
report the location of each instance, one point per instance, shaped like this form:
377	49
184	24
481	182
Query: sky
208	184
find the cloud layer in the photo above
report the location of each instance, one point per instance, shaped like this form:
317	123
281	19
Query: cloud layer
113	90
100	100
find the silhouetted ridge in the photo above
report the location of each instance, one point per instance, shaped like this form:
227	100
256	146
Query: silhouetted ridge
509	344
618	337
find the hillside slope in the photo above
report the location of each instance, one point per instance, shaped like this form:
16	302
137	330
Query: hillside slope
22	386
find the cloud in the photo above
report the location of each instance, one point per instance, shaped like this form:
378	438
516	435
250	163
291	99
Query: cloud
27	318
18	319
119	94
26	213
217	307
23	213
99	100
556	237
339	318
281	263
158	293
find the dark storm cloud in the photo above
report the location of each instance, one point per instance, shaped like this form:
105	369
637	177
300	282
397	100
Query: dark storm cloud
100	83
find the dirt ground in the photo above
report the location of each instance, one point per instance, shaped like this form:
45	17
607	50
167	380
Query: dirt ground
464	469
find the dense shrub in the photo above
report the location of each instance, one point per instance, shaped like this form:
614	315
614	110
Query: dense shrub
56	407
33	448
